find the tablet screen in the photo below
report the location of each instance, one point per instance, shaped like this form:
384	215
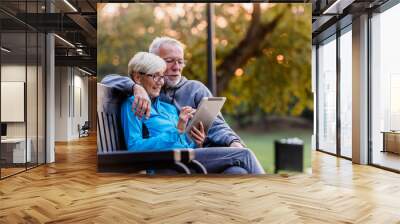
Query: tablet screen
207	111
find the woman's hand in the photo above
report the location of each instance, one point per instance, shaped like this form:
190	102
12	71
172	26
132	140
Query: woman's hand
198	134
184	116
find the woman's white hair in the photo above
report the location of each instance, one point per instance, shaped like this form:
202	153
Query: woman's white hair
159	41
147	63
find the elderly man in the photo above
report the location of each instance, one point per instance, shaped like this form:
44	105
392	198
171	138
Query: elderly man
177	90
166	130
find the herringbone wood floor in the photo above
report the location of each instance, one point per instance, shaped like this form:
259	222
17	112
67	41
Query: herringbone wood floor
70	191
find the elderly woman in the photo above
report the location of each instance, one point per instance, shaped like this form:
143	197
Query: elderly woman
166	124
166	129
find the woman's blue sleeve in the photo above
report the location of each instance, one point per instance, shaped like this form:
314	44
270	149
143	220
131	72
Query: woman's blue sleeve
132	128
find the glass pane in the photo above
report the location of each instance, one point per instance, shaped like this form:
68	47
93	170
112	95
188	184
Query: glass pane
31	86
31	97
345	94
386	89
327	97
41	98
22	79
13	86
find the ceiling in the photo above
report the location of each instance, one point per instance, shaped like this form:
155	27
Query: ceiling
76	22
77	25
331	15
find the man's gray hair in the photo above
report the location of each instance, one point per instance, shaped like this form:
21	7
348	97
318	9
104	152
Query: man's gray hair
158	41
146	63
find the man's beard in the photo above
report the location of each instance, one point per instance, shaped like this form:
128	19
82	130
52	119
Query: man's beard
172	83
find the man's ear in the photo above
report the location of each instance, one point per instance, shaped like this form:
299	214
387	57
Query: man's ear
136	77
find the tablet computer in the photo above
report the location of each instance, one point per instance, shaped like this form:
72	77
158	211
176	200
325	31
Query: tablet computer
206	112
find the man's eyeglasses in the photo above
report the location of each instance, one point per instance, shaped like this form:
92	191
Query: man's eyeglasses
156	78
180	62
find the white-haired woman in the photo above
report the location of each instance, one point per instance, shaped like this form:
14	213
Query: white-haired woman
166	125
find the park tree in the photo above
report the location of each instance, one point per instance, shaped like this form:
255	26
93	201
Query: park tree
263	51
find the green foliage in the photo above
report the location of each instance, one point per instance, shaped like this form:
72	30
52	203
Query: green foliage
277	87
278	81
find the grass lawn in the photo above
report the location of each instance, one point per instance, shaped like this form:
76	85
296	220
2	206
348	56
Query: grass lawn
262	144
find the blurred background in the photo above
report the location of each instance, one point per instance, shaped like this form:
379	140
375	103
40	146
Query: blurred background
263	61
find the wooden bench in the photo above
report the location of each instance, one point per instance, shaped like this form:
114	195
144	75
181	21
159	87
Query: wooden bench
112	155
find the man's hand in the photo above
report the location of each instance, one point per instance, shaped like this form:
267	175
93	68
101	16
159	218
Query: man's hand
198	135
236	145
141	104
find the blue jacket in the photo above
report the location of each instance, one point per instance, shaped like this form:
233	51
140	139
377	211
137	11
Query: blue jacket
185	93
162	127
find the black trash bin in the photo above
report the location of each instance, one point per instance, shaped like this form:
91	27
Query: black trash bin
289	154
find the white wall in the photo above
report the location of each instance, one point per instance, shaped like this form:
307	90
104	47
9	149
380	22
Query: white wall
80	110
33	126
61	103
71	94
14	73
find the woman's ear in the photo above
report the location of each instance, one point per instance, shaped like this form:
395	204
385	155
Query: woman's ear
136	77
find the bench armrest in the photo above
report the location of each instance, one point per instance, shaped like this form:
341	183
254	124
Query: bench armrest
128	161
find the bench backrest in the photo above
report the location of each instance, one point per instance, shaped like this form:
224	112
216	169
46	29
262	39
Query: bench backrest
109	132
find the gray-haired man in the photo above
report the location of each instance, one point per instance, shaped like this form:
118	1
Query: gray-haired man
177	90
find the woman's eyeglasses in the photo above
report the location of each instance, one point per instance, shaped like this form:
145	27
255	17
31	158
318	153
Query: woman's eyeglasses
156	78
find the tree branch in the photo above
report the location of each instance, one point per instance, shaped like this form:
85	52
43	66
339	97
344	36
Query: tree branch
248	47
